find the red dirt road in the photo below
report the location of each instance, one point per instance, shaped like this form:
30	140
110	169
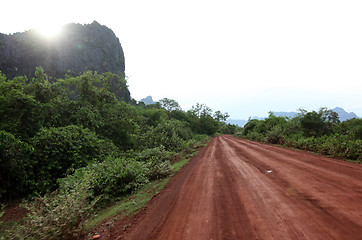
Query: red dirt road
239	189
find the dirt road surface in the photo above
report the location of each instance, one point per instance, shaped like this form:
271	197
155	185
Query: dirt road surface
239	189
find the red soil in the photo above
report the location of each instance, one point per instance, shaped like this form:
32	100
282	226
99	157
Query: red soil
239	189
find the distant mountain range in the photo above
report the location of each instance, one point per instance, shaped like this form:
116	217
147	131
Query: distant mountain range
342	114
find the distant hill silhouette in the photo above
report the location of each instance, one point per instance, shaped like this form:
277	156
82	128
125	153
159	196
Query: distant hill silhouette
148	100
342	114
77	49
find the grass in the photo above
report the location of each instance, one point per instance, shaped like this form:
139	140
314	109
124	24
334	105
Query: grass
130	204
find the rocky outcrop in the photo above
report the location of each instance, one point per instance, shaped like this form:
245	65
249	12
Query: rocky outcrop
148	100
77	49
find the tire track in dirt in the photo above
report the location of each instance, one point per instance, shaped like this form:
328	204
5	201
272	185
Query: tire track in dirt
318	215
323	185
239	189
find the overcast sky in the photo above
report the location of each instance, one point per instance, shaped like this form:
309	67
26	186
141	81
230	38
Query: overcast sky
242	57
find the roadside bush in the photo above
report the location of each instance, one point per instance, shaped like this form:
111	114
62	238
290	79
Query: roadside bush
20	113
354	150
60	215
110	179
334	145
15	167
116	177
275	135
158	153
249	126
352	127
256	136
2	207
58	151
156	169
293	140
165	135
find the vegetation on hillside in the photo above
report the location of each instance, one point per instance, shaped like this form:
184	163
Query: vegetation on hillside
317	131
71	146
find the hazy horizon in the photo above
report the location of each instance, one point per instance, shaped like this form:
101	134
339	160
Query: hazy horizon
242	57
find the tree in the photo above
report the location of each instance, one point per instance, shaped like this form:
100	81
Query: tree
201	110
169	104
20	113
249	126
201	120
221	117
59	151
15	167
317	123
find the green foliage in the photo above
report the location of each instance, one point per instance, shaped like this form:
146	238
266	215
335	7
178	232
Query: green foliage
109	179
317	123
94	88
2	207
20	112
352	127
78	137
169	104
77	120
221	117
204	124
167	134
156	169
154	116
78	129
115	177
334	145
60	215
249	126
15	167
313	131
59	151
158	153
275	135
118	124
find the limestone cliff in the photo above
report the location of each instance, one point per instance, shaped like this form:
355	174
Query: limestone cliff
77	49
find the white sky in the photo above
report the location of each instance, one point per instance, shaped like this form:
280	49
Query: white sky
241	57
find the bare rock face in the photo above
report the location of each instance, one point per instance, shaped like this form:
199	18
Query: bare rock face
77	49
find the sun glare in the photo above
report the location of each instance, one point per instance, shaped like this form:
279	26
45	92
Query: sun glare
49	30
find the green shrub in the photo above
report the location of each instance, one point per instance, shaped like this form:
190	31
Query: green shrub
256	136
58	151
335	145
165	135
156	169
157	153
275	135
15	167
115	177
110	179
2	207
60	215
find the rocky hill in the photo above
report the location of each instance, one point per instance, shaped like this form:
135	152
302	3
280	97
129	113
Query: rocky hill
342	115
147	100
77	49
